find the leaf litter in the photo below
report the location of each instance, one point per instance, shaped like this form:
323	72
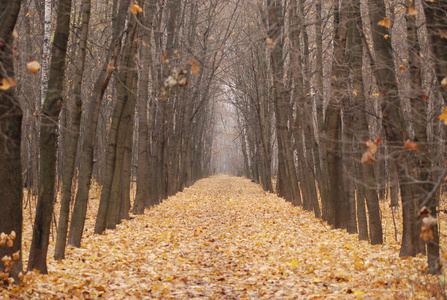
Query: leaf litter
226	238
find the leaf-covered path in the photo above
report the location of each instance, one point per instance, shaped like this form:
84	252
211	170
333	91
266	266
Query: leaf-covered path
225	238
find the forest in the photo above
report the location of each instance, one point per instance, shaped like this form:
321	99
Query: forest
259	113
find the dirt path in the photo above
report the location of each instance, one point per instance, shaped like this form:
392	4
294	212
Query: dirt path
225	238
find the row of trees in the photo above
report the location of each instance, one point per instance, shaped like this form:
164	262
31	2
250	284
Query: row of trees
336	101
344	97
125	94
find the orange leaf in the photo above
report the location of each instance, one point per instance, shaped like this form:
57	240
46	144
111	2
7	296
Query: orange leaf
425	96
412	11
443	116
163	58
402	67
411	145
136	9
372	146
33	66
385	22
195	67
7	83
367	157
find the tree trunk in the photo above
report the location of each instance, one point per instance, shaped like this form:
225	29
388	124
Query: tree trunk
10	161
366	173
46	49
143	173
320	151
393	124
72	135
110	204
289	176
436	24
50	113
89	136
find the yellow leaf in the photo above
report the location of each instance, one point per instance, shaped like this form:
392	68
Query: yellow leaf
316	280
294	263
385	22
359	293
7	83
359	265
136	9
443	116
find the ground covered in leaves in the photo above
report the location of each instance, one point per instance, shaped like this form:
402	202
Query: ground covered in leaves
225	238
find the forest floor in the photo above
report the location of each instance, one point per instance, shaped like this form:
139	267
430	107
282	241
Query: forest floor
225	238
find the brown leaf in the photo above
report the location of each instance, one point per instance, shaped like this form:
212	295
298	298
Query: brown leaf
426	227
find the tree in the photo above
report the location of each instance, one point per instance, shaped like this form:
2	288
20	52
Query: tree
287	177
72	135
10	137
91	121
143	173
393	124
50	113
